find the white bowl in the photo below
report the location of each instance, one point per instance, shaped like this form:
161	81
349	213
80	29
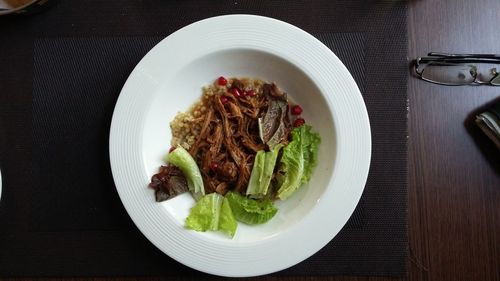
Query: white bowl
169	79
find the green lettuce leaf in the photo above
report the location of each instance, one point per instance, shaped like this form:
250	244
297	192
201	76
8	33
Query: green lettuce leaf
227	221
254	184
251	211
298	160
310	145
212	212
262	172
205	214
181	158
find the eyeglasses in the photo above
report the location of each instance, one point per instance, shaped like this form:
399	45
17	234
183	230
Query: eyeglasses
457	70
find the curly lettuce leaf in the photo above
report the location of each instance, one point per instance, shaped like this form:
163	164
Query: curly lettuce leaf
310	145
181	158
212	212
251	211
298	160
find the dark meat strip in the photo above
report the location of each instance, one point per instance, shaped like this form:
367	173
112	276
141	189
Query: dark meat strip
213	152
235	110
206	160
168	183
208	183
220	157
237	155
244	176
215	140
228	141
227	172
236	114
222	188
246	138
203	133
252	106
210	153
234	151
272	90
238	85
229	135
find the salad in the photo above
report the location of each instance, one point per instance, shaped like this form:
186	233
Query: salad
237	150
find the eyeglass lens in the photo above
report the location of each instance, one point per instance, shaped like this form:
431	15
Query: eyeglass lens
449	74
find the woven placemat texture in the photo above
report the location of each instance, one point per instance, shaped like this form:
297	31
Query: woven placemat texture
60	214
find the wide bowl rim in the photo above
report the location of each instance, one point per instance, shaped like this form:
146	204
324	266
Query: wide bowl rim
358	146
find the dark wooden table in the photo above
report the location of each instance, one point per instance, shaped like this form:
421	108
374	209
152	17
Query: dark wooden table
454	171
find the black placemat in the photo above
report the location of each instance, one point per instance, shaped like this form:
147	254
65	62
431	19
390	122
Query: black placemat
60	214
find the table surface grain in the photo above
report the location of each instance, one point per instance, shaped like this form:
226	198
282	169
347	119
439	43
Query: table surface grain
454	171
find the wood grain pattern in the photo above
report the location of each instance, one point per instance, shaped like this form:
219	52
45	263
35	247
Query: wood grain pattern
454	178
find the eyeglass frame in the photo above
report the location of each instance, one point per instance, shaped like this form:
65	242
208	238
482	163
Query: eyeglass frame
458	59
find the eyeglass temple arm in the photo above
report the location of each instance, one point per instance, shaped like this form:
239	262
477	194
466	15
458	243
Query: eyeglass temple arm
445	58
448	55
421	60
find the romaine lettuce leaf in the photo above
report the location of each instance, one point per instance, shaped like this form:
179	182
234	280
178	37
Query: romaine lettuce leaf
251	211
310	144
227	221
262	172
205	214
212	212
298	160
180	158
259	163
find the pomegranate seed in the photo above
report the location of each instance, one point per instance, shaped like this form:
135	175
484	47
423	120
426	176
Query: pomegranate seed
214	166
299	122
171	149
236	93
296	110
224	99
222	81
250	93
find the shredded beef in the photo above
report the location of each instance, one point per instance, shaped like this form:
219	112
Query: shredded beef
229	136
